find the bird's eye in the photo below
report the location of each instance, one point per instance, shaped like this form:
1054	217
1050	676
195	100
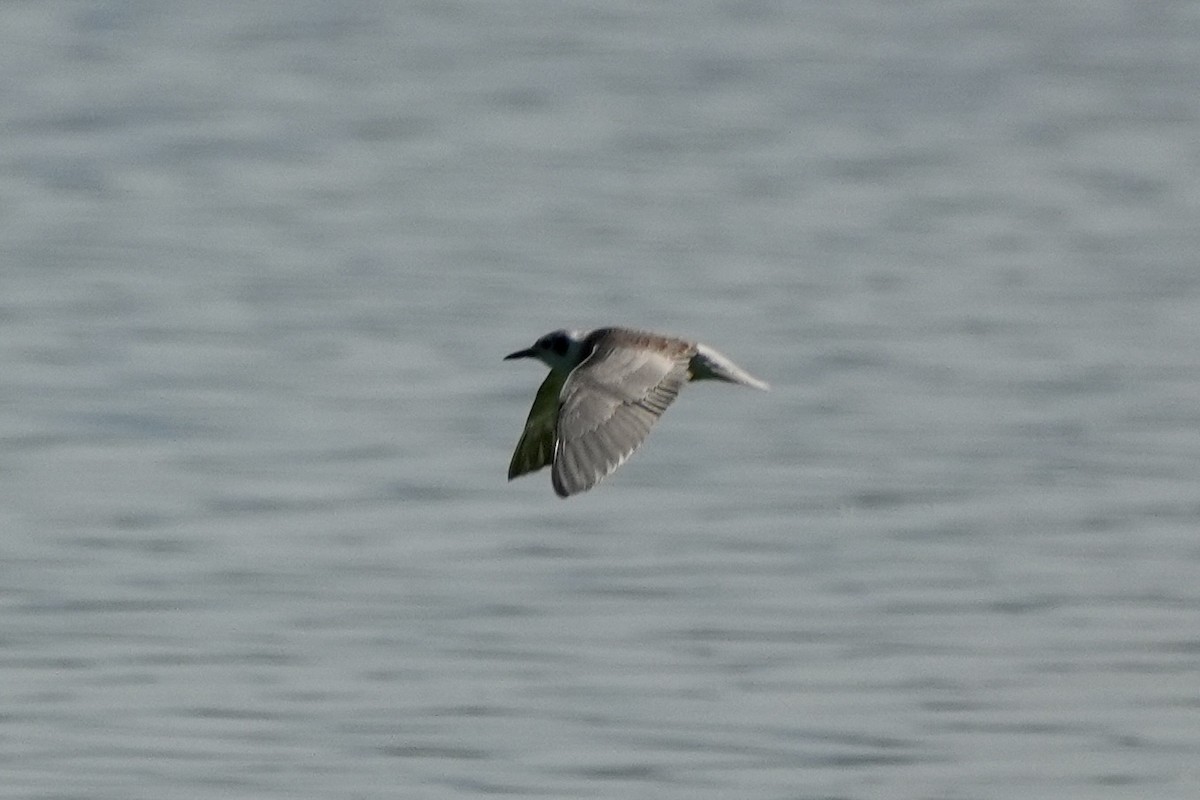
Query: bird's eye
559	345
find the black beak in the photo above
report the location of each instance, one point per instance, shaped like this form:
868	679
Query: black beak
527	353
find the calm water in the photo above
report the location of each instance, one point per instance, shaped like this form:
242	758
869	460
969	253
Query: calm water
260	262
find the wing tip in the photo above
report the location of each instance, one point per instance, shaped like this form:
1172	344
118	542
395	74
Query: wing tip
515	467
560	489
558	479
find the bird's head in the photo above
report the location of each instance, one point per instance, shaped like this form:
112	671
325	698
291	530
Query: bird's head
559	350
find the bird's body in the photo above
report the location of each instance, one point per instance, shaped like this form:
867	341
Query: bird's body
606	389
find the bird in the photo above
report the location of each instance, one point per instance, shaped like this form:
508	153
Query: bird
606	389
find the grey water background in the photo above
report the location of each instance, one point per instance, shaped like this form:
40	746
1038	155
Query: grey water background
259	263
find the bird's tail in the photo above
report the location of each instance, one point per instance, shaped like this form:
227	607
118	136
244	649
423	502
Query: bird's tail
708	364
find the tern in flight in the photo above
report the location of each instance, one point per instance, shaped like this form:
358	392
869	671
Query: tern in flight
606	389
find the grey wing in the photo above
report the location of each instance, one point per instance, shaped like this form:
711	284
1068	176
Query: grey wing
536	447
609	404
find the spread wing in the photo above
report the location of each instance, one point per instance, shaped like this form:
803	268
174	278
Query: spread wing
609	404
536	448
